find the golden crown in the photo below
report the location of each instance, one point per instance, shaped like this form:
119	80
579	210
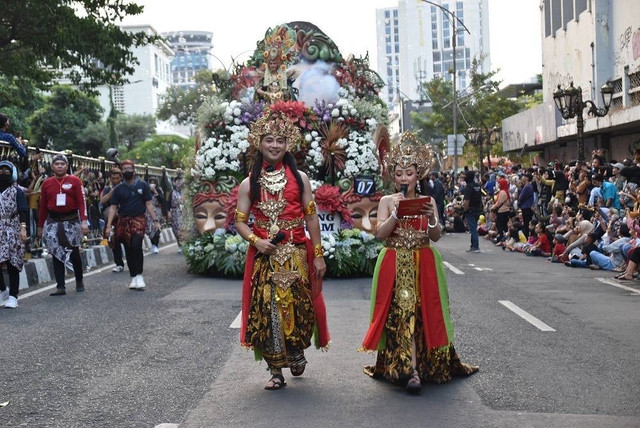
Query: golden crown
276	124
410	151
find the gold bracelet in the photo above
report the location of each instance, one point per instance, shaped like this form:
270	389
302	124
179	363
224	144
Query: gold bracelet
241	217
253	239
318	251
311	208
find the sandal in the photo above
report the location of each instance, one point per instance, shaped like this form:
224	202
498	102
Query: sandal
297	370
276	381
623	278
414	385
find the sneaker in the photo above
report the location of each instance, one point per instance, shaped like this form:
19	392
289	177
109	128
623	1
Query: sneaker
79	287
140	282
179	250
134	283
154	249
11	302
4	295
117	269
473	250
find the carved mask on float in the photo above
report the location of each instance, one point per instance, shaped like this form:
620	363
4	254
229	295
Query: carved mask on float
209	204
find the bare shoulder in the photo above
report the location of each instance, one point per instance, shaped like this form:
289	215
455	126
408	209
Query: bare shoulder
244	185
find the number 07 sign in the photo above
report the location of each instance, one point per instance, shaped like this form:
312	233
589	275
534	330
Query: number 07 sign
364	185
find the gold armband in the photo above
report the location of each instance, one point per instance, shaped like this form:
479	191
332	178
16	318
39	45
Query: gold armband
241	217
318	251
310	209
252	239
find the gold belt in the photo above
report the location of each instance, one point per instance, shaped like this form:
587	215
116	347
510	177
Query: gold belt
409	239
283	224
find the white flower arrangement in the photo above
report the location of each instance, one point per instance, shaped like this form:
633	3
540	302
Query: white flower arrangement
220	153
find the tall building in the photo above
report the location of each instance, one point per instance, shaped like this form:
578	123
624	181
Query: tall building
415	44
587	42
149	82
192	54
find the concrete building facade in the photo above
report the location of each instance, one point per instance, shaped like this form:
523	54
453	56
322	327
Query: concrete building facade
415	45
149	82
587	42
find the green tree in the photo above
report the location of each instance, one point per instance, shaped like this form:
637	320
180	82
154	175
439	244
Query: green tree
60	122
19	98
182	103
481	107
39	38
133	129
168	150
94	139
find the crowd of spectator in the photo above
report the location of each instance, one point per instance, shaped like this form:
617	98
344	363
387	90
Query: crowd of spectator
582	214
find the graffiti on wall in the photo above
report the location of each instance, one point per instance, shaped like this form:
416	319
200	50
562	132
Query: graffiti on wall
628	47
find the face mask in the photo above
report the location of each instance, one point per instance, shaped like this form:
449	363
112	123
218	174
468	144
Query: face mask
128	175
5	180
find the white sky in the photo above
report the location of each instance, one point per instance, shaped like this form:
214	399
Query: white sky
515	42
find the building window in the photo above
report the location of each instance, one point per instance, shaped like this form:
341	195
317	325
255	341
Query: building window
437	68
436	57
387	30
581	6
397	46
556	15
387	14
567	12
396	38
446	43
388	48
461	39
395	13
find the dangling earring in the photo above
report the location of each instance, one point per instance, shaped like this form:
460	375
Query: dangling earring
418	187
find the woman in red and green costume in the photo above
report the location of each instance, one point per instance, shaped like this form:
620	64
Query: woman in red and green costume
282	304
410	322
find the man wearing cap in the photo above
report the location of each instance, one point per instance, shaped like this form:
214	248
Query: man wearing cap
62	222
130	200
617	179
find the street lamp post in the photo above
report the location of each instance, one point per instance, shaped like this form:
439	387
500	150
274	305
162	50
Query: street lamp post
454	20
570	104
478	136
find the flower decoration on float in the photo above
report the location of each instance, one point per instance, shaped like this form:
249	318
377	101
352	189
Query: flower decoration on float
410	151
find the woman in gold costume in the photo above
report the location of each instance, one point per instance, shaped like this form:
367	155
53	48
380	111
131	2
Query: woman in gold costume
410	322
282	303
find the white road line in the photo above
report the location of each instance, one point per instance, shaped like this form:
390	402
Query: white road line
616	284
236	322
526	316
453	269
72	280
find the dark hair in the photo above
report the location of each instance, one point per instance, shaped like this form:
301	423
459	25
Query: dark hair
3	119
598	177
254	186
469	176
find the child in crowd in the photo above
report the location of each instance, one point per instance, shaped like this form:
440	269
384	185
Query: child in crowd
585	259
559	246
541	247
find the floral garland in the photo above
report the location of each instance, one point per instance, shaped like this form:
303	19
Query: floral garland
350	253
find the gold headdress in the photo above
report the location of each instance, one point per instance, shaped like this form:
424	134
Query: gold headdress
409	152
276	124
279	44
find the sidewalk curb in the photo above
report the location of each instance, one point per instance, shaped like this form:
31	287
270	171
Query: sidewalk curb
40	271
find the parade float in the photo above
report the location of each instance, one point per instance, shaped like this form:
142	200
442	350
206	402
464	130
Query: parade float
298	71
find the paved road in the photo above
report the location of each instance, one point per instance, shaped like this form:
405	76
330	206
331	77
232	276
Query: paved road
111	357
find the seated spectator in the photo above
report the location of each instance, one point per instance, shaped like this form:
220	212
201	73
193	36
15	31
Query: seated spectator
584	260
578	235
610	257
559	242
541	247
458	222
632	266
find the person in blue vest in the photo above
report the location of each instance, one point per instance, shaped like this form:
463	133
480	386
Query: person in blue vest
525	202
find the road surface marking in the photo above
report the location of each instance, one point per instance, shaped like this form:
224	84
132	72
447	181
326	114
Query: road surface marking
616	284
526	316
453	268
236	322
72	280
